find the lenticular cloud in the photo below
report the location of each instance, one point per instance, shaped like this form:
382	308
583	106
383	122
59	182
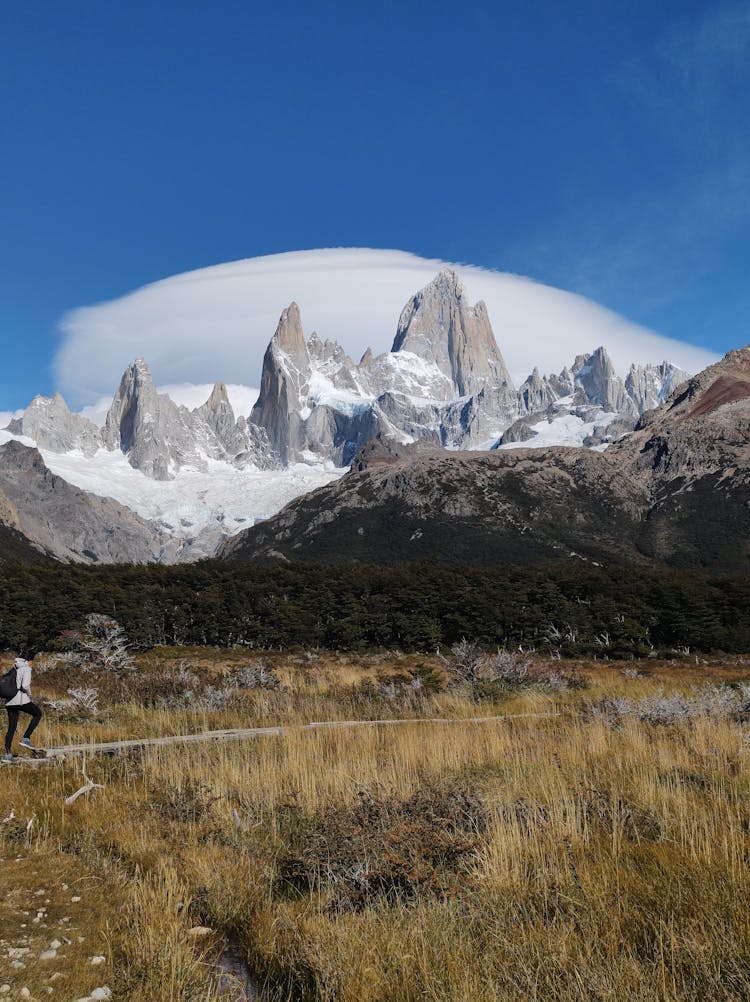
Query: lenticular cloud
215	323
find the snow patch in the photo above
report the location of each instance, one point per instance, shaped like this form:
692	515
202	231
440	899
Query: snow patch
194	500
323	393
564	429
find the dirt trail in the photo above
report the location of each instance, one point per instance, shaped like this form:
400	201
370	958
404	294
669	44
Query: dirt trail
246	733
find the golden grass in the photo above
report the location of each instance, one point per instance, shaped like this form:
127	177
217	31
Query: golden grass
603	862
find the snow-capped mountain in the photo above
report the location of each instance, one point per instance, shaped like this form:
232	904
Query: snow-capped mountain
444	379
673	493
203	472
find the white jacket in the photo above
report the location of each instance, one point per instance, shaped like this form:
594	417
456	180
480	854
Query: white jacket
23	679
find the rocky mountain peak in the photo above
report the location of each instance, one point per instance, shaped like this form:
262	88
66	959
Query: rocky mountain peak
135	403
218	414
536	393
219	399
159	436
289	336
595	375
284	384
440	326
49	422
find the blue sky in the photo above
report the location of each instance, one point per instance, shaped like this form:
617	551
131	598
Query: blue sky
598	146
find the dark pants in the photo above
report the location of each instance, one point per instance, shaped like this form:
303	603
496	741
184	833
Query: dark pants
34	712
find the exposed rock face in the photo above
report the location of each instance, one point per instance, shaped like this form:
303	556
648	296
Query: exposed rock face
596	376
49	422
676	491
440	326
650	385
159	436
520	431
14	545
218	416
536	394
69	523
221	435
284	386
444	381
148	427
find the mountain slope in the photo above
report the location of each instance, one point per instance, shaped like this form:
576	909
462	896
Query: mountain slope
420	503
13	544
675	492
71	524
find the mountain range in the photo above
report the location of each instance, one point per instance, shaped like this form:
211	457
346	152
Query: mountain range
439	413
674	492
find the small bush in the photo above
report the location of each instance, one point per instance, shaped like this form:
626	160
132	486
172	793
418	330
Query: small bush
732	702
381	848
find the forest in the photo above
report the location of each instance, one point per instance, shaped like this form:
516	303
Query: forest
572	610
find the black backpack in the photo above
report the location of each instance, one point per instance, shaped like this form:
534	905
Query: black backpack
9	684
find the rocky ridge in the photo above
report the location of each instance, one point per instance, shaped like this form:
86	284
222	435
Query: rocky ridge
675	492
444	380
61	521
444	384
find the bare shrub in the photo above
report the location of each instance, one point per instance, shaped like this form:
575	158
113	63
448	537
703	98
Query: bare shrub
464	662
382	849
79	701
255	675
630	673
100	645
489	673
47	664
469	665
669	709
401	690
189	803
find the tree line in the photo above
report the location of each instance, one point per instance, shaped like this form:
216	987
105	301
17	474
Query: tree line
573	609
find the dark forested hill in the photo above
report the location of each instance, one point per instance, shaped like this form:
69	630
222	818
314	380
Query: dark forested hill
574	608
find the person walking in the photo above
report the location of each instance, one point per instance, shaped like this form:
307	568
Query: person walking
21	703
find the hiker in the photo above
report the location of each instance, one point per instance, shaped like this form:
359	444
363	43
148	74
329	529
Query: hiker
21	703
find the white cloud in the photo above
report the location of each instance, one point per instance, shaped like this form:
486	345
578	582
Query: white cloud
215	323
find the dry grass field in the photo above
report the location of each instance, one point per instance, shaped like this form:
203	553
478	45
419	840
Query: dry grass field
599	853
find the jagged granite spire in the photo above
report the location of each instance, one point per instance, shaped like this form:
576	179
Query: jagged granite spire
146	426
159	436
284	384
218	414
595	375
650	385
438	324
49	422
536	393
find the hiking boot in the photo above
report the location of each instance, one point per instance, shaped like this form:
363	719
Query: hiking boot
26	743
8	757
